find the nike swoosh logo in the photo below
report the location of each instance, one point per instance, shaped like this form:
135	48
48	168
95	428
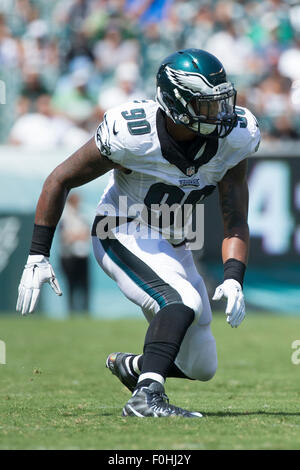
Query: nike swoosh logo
200	153
114	129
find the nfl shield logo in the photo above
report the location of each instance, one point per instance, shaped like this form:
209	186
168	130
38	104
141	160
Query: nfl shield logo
190	171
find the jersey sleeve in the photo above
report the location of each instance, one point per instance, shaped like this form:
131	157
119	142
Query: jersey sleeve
125	135
245	137
109	140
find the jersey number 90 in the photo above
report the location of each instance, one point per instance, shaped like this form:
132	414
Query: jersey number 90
137	123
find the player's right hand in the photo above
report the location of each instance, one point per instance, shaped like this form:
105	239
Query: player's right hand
37	271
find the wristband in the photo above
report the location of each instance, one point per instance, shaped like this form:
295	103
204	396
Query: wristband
41	240
234	269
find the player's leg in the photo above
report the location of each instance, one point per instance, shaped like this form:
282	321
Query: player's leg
150	290
197	357
159	286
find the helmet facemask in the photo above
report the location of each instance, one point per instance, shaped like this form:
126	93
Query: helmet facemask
209	115
212	113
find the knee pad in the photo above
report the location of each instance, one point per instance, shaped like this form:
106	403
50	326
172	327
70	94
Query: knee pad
197	357
204	372
204	364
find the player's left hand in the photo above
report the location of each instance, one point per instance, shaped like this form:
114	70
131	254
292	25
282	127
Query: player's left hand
235	309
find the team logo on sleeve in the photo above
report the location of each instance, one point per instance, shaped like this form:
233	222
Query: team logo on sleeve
103	138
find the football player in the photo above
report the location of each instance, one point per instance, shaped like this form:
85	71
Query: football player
172	151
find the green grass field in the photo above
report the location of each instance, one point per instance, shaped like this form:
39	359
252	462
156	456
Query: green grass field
57	394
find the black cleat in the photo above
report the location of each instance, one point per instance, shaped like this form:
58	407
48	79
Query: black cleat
116	363
153	402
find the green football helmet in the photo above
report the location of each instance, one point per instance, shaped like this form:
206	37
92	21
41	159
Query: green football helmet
193	90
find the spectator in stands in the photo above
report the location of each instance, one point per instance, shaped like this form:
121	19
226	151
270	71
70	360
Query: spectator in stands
237	51
289	61
124	89
112	50
72	99
271	98
147	11
46	40
44	129
24	11
10	53
154	46
32	86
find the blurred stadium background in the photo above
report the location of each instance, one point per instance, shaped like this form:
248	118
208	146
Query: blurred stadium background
64	62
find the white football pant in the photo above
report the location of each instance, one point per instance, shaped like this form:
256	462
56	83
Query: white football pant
152	273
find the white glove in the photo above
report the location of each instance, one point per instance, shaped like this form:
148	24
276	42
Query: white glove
235	309
37	271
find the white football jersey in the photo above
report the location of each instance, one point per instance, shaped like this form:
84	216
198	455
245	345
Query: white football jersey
161	170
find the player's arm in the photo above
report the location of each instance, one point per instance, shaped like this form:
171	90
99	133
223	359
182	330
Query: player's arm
233	194
85	165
